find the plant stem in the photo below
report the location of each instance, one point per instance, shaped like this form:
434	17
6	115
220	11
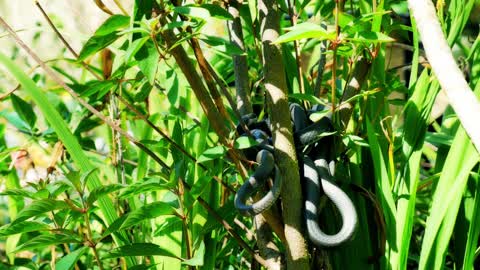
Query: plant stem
285	155
240	67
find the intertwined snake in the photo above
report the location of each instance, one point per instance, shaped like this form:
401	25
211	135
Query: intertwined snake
318	171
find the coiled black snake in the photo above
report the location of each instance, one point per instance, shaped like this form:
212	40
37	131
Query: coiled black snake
318	173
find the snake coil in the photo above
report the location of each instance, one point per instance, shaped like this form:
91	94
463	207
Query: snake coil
318	174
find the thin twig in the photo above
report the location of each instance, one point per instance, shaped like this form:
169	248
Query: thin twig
119	5
169	140
64	41
72	92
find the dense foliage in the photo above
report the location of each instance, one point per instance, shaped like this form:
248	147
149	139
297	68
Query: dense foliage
141	158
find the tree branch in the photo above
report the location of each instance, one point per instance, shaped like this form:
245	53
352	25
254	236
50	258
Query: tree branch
285	155
240	66
460	96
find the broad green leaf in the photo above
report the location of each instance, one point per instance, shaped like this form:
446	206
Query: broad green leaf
24	110
95	44
147	57
140	249
351	140
68	262
370	37
305	30
197	259
212	153
112	24
105	35
146	212
134	48
316	116
204	11
46	240
222	45
74	178
98	192
39	207
200	186
20	192
244	142
311	98
23	227
142	187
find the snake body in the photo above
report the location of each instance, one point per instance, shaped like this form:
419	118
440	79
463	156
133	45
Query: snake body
318	175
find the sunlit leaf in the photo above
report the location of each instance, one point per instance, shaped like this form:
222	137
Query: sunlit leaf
305	30
140	249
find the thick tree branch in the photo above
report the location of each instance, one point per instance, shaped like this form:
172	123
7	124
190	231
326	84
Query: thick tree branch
460	96
285	155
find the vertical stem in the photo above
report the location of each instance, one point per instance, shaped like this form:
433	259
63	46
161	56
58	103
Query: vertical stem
298	56
240	67
285	155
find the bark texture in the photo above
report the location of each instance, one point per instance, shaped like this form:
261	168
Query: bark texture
285	155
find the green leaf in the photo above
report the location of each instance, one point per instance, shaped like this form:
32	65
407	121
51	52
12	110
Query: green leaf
305	30
19	192
24	110
95	44
351	140
68	262
197	259
204	11
134	48
244	142
142	187
212	153
102	191
23	227
42	241
222	45
74	178
311	98
112	24
105	35
148	211
370	37
147	58
38	208
64	134
140	249
200	186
